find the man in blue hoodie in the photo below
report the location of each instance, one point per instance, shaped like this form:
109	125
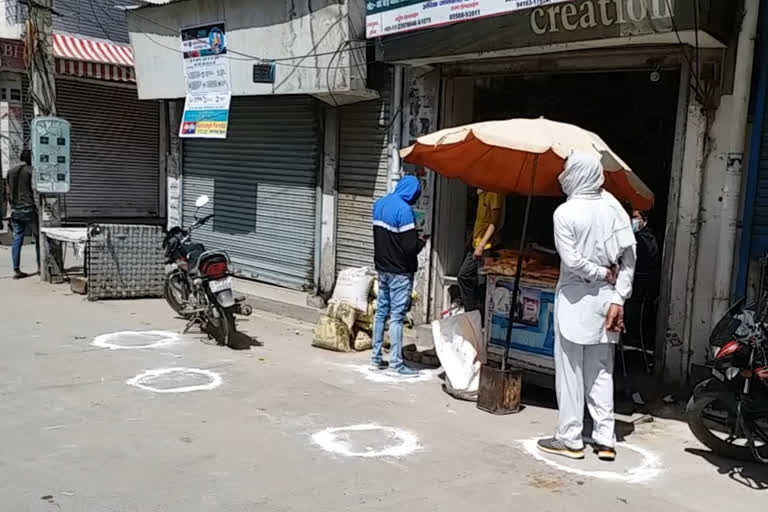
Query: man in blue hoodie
397	245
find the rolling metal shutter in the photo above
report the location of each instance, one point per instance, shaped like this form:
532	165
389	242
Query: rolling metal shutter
115	151
262	183
363	166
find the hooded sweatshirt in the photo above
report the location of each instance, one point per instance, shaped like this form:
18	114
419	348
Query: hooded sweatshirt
592	233
396	241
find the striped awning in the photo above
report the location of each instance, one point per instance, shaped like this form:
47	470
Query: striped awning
79	56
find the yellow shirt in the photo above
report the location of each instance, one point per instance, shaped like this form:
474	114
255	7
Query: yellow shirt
490	210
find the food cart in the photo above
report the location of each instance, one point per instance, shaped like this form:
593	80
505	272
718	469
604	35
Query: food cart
533	340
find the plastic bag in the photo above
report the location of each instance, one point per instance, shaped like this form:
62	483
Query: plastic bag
459	345
352	287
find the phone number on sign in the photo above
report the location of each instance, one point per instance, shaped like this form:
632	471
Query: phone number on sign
464	15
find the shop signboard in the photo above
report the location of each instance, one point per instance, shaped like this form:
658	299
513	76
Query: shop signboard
541	24
385	17
207	79
206	115
533	333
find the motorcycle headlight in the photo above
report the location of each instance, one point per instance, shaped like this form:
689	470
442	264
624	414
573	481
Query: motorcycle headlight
731	372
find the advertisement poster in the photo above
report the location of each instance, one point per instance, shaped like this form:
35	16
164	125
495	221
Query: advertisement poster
206	115
206	65
534	328
174	201
386	17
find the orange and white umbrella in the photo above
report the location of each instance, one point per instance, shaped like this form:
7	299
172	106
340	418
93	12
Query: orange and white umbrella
504	156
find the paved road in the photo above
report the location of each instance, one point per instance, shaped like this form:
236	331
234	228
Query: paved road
77	437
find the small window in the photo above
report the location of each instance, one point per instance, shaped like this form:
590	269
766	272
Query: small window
16	94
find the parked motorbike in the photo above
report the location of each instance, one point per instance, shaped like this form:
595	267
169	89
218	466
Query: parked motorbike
729	411
199	286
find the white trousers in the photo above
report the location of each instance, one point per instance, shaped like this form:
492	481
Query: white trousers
584	371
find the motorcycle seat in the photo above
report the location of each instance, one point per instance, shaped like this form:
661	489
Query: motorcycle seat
194	251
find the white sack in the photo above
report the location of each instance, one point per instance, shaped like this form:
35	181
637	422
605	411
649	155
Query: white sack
459	345
352	287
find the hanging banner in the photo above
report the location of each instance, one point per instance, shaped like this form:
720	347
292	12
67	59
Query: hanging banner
206	115
385	17
206	64
207	77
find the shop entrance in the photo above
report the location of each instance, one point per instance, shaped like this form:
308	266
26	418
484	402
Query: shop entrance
634	112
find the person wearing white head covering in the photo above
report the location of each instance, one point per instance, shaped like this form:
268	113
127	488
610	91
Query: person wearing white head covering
596	244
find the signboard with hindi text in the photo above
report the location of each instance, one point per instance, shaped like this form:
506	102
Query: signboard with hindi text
386	17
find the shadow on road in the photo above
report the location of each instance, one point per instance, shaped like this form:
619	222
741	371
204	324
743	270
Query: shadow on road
751	475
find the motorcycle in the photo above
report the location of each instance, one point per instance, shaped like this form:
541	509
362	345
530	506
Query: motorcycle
199	285
728	412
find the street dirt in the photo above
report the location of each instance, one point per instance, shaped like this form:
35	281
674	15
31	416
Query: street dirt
266	429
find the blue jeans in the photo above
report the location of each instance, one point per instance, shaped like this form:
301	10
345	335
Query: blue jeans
393	301
23	220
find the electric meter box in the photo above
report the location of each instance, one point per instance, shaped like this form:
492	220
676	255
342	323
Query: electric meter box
51	154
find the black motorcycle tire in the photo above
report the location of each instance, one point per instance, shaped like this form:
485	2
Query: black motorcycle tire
170	297
694	416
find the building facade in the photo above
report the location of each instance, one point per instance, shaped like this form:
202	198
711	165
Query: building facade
299	146
310	149
116	143
664	83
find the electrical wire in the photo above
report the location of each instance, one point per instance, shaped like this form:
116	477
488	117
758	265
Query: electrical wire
700	94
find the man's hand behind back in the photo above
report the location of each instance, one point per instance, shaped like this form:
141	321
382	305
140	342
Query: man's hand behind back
614	322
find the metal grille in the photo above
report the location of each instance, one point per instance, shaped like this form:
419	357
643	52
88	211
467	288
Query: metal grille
115	151
363	166
262	183
125	261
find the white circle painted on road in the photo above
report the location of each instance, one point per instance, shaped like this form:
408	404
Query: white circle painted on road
649	468
340	440
176	380
381	376
133	340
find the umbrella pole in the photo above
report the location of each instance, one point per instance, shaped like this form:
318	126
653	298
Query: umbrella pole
519	270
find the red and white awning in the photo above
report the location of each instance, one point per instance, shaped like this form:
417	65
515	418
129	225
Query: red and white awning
78	56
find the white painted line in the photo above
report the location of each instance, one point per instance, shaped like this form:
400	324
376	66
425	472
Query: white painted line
649	468
156	339
328	440
382	377
140	381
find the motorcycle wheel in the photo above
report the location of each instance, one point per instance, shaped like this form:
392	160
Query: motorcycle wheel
176	293
704	414
219	325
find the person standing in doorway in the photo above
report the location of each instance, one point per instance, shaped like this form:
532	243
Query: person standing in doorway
594	238
23	210
648	272
396	245
486	235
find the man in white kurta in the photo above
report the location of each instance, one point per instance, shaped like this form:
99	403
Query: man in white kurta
596	244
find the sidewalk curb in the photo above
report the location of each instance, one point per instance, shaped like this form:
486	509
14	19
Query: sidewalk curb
293	311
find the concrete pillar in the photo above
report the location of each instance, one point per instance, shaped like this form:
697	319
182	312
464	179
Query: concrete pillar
328	202
420	106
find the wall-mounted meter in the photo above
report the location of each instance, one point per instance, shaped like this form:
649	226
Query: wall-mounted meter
51	154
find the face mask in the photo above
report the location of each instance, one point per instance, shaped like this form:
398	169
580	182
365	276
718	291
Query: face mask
635	225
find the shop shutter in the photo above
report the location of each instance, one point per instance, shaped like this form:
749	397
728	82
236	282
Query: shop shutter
760	220
363	166
262	183
115	150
